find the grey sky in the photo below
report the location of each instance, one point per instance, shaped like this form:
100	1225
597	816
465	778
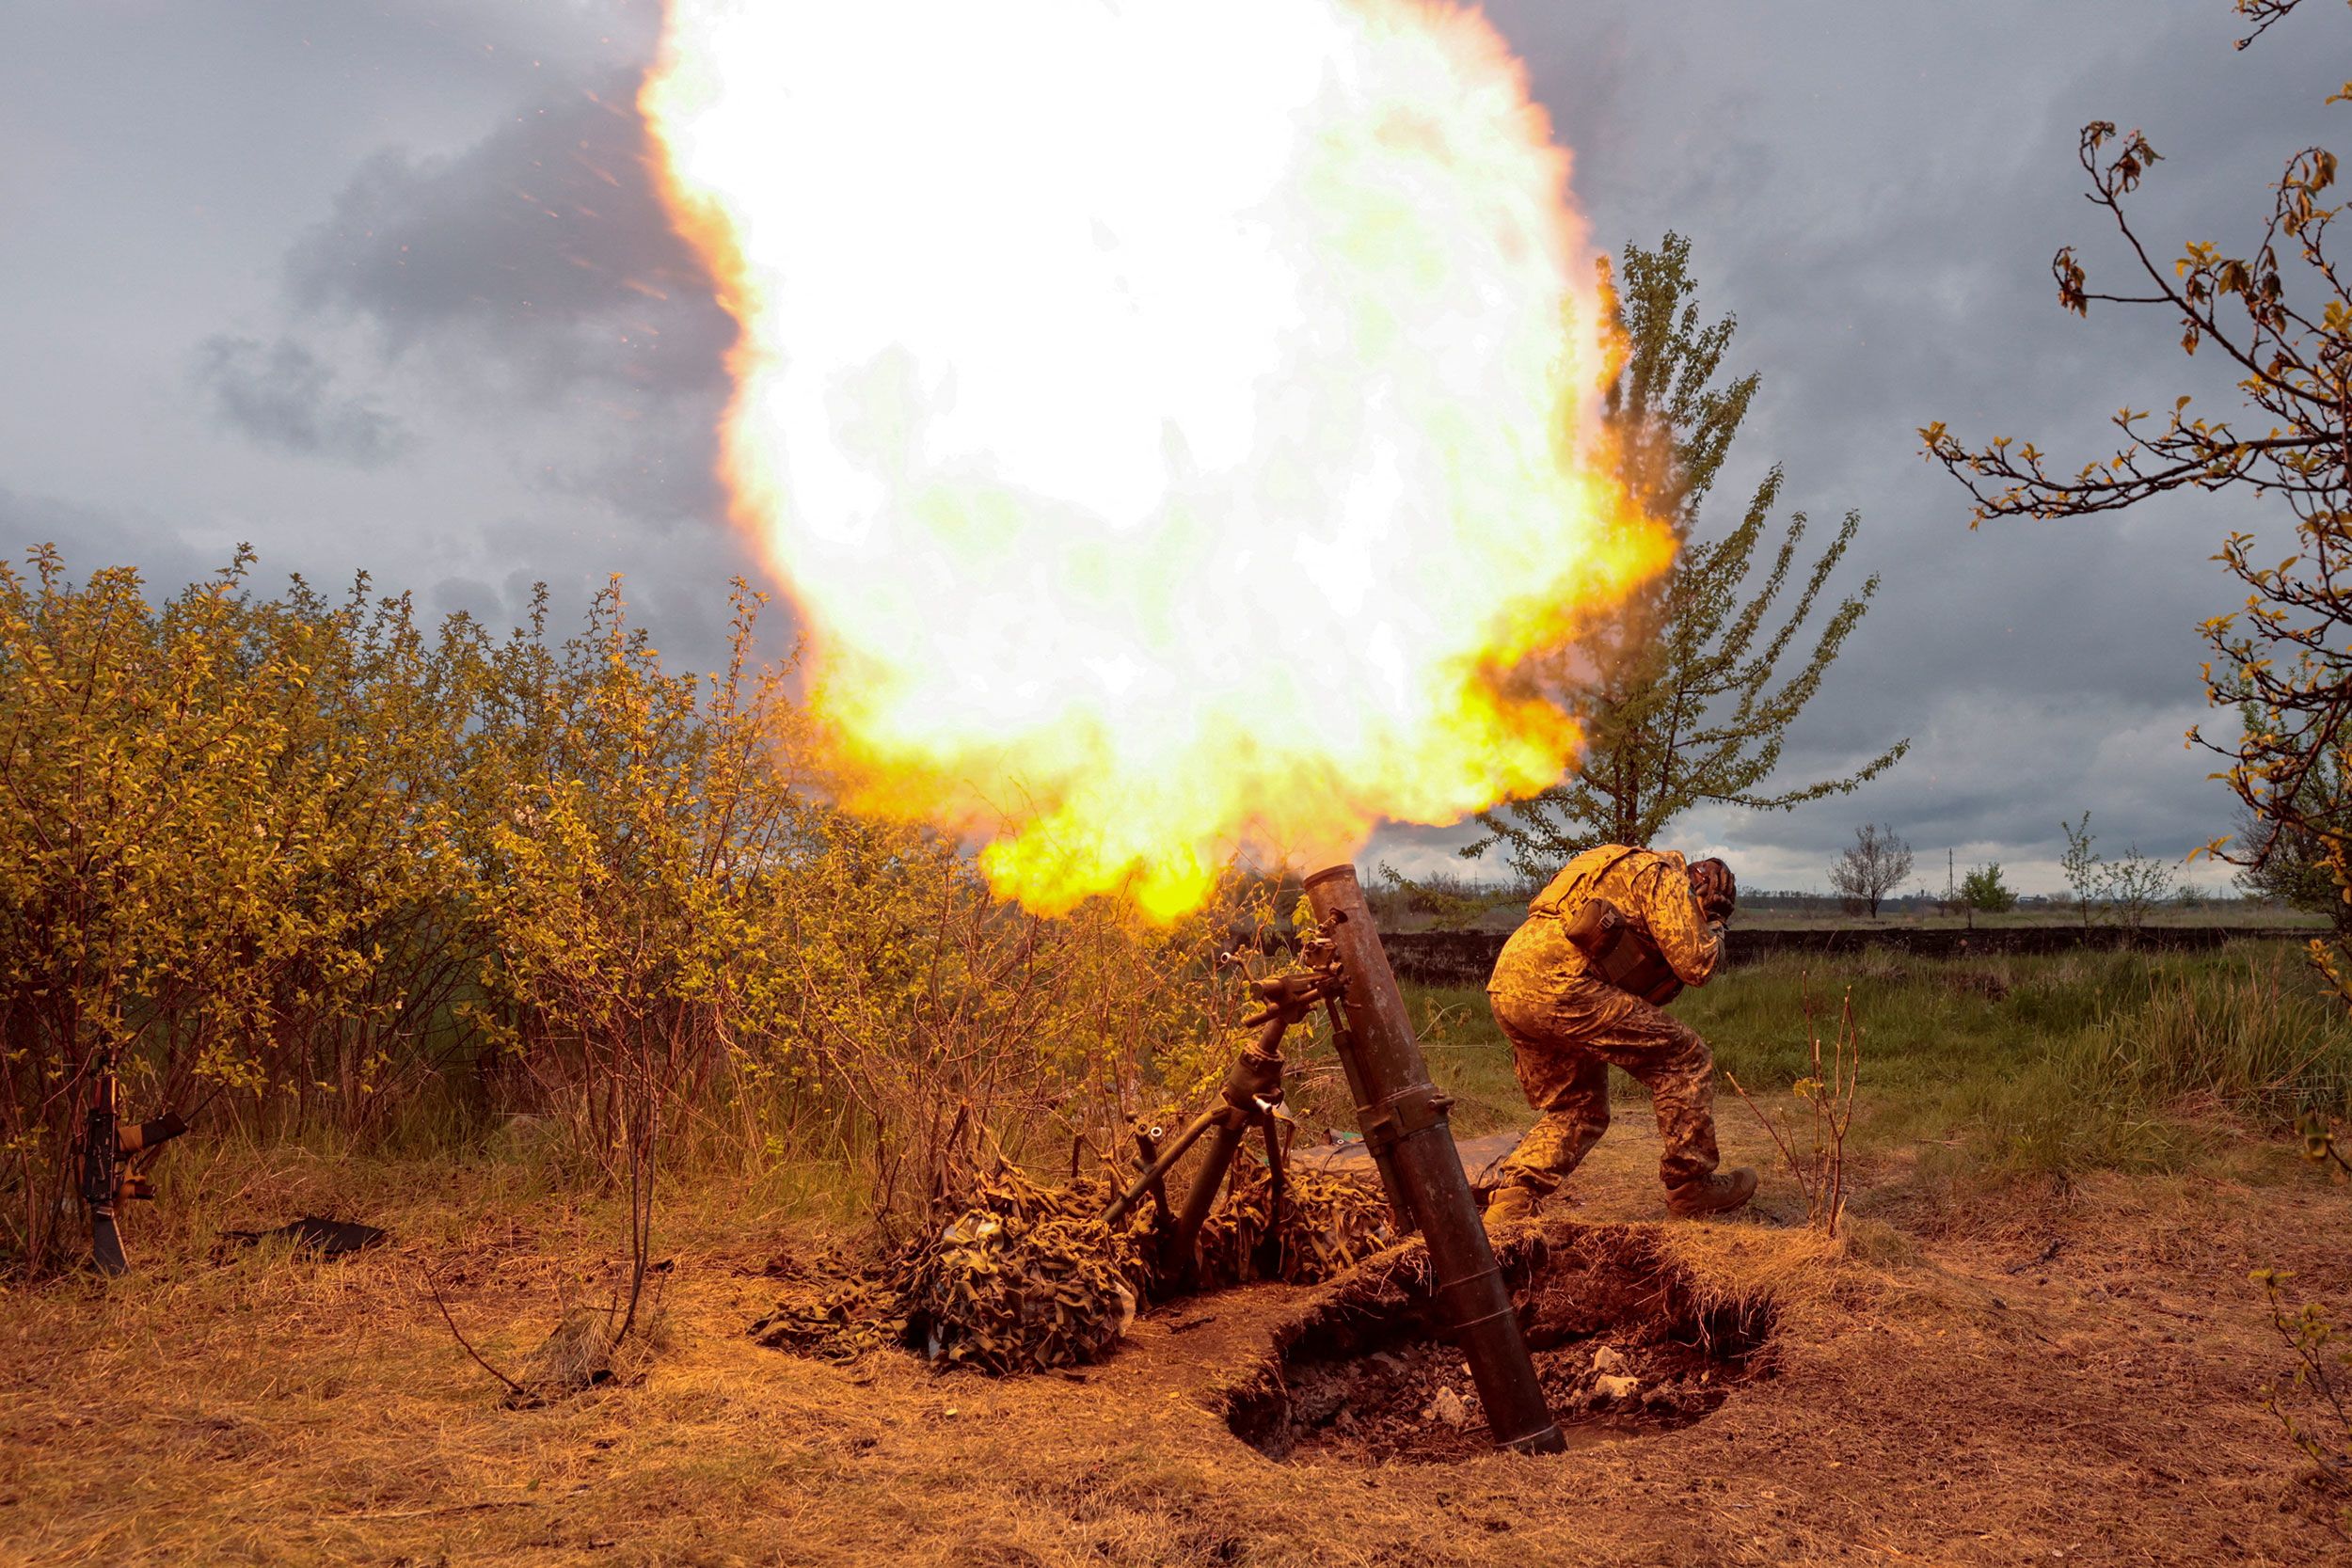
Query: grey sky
385	286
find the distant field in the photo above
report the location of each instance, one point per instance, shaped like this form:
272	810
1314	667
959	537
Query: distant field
1759	918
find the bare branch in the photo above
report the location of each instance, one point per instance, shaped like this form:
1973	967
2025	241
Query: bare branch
433	1284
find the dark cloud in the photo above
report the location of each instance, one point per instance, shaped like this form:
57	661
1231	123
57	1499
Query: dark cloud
283	395
665	476
538	267
468	596
542	247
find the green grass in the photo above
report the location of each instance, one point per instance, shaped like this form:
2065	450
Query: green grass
2058	1063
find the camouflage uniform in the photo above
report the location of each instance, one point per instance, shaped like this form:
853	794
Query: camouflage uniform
1567	1026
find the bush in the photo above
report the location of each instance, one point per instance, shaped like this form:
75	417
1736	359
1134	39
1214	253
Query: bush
1983	890
220	859
317	869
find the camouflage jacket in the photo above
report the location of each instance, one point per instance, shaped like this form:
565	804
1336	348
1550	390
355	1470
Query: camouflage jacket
1649	886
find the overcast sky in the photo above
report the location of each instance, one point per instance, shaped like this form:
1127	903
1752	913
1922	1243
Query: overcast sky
384	286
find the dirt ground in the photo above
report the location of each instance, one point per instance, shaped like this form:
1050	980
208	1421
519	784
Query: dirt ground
2062	1377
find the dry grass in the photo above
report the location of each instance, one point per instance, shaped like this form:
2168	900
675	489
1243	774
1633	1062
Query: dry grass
1966	1396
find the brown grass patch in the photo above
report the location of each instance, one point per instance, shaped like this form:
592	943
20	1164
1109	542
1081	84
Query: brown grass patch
1936	1408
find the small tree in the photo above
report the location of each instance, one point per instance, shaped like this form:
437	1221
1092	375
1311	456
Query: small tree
2085	869
1983	890
1872	866
2130	887
2136	884
633	883
1828	1090
2316	1407
1684	699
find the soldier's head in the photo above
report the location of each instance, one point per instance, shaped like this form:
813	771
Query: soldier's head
1712	885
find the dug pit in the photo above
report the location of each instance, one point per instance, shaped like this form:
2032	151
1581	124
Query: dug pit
1626	1342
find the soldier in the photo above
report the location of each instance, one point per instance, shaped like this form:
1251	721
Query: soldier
1579	985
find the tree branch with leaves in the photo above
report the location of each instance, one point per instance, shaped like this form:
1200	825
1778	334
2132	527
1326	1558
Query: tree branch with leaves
2279	314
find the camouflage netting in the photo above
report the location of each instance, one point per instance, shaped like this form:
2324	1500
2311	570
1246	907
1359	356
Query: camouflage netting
867	1314
1022	1279
1328	1224
1026	1277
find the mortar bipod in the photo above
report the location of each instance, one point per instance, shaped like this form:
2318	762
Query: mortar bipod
1251	1096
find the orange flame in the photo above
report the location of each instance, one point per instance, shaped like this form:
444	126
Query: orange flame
1174	418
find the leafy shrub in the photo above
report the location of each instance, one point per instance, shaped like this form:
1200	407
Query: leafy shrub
316	869
2316	1407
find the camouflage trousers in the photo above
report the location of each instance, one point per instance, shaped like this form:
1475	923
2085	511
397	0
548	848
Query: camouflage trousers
1564	1044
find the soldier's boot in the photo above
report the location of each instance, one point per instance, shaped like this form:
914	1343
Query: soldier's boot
1712	1194
1511	1205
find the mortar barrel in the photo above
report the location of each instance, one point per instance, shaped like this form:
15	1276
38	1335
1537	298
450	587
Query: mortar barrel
1404	1117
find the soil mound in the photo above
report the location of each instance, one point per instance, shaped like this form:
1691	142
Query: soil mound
1625	1342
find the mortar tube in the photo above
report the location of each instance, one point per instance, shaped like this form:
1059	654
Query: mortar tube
1400	1210
1403	1116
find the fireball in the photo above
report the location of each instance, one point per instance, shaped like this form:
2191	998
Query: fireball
1174	420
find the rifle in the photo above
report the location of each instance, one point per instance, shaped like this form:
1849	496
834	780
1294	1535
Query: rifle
107	1148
